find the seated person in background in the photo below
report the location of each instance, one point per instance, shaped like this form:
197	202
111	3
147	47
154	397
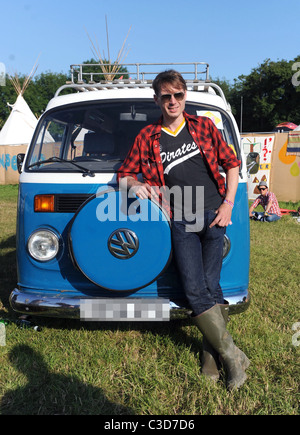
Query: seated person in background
269	202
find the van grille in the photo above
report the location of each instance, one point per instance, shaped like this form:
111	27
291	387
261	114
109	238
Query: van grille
70	203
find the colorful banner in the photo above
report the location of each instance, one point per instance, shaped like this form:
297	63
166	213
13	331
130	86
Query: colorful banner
263	146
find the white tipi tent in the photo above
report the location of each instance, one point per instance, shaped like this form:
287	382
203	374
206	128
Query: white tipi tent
19	127
16	133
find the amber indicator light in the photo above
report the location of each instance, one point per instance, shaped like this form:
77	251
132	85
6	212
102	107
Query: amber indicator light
44	203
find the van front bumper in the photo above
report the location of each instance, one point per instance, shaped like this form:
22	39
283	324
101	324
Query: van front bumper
60	305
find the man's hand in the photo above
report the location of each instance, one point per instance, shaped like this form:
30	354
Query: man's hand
142	190
223	218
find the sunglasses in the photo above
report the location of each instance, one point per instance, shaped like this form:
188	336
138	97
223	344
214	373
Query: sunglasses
262	188
179	96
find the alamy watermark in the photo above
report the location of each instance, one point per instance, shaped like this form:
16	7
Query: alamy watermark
296	76
2	334
187	204
296	337
2	74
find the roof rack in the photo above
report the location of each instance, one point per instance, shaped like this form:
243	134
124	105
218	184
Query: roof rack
137	71
83	77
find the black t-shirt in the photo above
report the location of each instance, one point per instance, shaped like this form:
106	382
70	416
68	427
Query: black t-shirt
184	166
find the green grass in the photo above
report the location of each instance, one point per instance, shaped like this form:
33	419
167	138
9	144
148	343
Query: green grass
150	369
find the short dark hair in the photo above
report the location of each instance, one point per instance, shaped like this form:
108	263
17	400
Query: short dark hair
169	76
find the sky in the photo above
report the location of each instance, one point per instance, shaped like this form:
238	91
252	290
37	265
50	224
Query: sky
233	36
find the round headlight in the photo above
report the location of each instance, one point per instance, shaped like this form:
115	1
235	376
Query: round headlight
226	246
43	245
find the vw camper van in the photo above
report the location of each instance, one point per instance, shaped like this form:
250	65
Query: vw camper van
85	249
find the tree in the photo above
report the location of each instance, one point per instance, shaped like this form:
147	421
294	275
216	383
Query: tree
42	89
269	96
224	85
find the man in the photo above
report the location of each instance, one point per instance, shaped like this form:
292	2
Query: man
184	150
269	202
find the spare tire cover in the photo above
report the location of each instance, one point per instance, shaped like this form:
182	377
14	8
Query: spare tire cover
120	243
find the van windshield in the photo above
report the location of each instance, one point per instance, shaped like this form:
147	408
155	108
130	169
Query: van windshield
97	136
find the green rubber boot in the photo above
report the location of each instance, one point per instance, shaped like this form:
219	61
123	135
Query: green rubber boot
212	325
210	362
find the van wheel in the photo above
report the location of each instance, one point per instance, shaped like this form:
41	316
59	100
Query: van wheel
120	243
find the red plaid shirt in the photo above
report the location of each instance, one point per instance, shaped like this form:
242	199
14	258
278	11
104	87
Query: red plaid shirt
264	201
144	156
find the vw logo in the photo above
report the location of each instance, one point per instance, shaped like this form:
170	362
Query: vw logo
123	244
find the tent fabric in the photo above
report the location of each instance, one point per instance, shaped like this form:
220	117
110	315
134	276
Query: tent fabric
285	126
8	163
293	146
15	137
20	125
279	170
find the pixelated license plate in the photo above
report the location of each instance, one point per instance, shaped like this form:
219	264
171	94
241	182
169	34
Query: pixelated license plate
130	310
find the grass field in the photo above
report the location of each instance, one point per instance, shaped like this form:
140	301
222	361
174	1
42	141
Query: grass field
145	369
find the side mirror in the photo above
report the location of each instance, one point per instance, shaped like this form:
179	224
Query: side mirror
20	160
252	163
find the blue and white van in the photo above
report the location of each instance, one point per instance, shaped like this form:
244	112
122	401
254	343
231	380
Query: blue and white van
84	248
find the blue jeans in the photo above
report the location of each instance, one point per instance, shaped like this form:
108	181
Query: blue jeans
270	218
199	261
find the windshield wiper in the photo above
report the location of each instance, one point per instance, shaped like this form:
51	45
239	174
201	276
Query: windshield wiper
59	160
